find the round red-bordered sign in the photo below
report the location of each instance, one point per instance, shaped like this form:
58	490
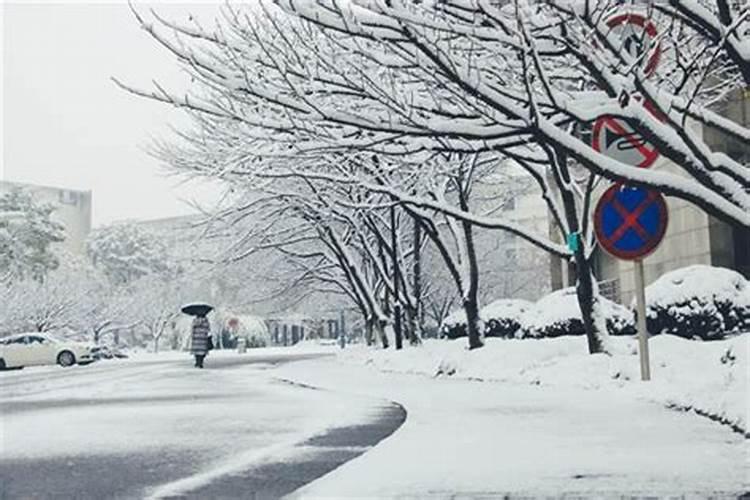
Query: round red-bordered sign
615	138
637	32
630	222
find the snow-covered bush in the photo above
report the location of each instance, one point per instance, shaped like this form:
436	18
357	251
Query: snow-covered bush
502	317
454	325
698	302
558	314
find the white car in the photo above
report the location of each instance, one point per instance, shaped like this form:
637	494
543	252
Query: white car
28	349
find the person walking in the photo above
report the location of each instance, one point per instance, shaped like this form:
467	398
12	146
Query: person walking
200	339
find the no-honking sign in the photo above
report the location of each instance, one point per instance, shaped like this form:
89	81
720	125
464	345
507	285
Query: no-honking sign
616	139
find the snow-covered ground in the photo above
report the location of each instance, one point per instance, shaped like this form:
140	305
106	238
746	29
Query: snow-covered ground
541	417
525	418
710	377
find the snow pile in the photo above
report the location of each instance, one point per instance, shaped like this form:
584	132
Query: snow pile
558	314
699	301
709	378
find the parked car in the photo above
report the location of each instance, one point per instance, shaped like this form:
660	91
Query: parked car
29	349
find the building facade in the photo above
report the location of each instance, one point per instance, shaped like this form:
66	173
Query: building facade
73	209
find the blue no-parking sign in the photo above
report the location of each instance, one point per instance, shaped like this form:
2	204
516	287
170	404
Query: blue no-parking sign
630	221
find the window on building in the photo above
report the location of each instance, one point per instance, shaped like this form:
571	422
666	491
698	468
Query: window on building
69	198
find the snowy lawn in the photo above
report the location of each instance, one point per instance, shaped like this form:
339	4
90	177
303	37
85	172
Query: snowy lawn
541	417
711	377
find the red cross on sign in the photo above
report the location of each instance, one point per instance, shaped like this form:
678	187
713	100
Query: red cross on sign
630	222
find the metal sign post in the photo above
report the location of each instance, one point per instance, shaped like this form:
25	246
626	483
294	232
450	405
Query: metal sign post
640	298
629	223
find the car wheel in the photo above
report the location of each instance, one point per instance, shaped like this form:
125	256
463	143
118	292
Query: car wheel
66	358
2	364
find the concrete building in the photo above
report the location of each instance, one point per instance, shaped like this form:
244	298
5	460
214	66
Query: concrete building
73	210
692	236
524	269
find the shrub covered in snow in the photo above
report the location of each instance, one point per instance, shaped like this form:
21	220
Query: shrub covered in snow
500	319
558	314
454	325
698	302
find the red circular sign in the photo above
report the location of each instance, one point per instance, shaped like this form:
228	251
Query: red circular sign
630	222
617	139
637	32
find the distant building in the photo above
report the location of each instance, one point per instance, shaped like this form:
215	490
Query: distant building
514	267
292	328
72	209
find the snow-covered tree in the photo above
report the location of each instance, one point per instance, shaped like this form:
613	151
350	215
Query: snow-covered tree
62	302
521	80
27	232
125	252
156	302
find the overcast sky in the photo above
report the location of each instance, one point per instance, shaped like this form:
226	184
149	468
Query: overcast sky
66	124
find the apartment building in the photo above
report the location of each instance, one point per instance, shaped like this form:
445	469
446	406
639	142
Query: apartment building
73	209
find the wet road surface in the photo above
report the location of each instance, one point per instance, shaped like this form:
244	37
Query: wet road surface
166	430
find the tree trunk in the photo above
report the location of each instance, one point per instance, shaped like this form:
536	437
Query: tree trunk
413	326
473	326
395	267
471	300
586	289
415	313
379	325
369	338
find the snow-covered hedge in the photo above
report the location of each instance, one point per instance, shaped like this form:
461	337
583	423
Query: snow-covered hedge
558	314
698	302
500	319
454	325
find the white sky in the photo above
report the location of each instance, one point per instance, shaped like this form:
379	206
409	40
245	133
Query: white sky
66	124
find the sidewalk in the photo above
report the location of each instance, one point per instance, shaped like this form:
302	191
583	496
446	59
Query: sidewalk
471	439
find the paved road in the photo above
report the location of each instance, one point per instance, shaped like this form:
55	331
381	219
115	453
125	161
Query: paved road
166	430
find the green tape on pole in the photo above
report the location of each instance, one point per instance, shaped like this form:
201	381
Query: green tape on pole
573	242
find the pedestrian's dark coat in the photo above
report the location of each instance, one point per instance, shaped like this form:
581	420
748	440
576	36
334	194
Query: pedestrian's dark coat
199	338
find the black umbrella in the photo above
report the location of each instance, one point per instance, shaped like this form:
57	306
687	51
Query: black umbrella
197	309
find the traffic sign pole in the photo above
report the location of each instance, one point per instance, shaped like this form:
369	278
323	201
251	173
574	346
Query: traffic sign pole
640	298
630	222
